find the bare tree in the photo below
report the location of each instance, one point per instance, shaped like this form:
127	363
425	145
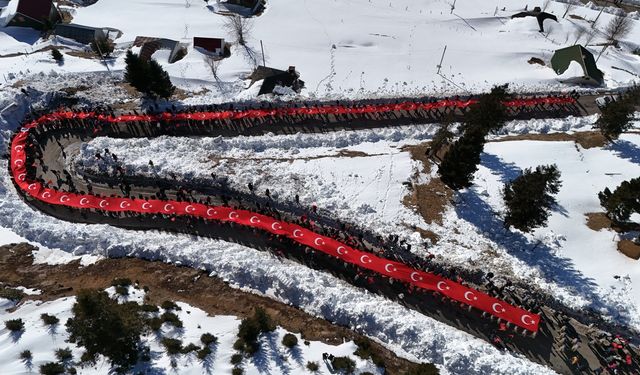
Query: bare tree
618	28
567	8
214	66
239	28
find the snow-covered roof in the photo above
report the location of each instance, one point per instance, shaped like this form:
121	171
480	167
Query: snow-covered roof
8	9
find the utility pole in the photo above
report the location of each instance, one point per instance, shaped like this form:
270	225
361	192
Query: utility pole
596	20
441	59
264	63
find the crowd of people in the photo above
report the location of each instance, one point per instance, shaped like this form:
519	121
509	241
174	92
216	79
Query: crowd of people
218	192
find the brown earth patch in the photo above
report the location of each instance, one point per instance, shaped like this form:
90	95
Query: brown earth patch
169	282
428	199
629	248
587	140
598	221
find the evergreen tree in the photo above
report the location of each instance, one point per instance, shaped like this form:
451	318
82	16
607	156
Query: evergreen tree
136	72
529	197
616	118
623	202
159	80
489	113
147	77
57	55
461	161
102	326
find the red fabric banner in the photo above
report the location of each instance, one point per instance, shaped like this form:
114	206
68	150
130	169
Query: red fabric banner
330	246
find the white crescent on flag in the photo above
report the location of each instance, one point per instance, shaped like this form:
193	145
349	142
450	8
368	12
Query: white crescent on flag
84	201
441	287
413	277
365	259
343	252
189	209
211	212
32	187
496	310
168	207
64	199
233	215
146	205
472	298
276	226
22	176
46	195
18	162
103	203
318	241
19	148
297	233
525	322
390	268
255	220
124	204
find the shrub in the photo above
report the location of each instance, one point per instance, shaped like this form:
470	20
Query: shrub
121	281
154	324
423	369
49	320
190	348
12	294
312	366
264	320
26	355
173	346
57	55
364	347
289	340
102	326
203	353
237	371
52	368
236	359
122	290
14	325
64	354
172	319
529	197
345	364
208	339
149	308
102	47
72	371
170	305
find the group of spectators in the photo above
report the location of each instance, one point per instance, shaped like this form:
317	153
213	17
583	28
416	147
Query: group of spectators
214	192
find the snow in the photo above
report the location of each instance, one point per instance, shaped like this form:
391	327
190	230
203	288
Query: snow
273	357
350	48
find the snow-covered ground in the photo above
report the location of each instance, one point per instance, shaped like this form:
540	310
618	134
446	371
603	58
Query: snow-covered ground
273	357
369	190
349	48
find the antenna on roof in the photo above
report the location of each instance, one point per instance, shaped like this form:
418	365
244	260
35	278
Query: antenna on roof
264	63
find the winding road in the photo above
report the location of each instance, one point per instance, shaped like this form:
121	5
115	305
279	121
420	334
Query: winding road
39	168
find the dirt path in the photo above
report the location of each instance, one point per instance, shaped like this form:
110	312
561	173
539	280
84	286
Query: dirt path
168	282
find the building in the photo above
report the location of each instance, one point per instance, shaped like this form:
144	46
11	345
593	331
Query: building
152	44
85	34
562	58
274	77
210	46
36	14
